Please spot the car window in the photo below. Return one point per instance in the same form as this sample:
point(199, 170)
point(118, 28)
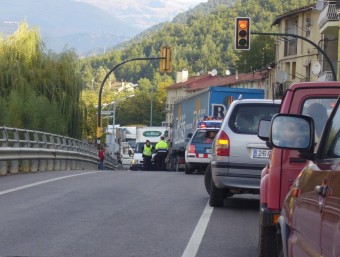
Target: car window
point(203, 136)
point(246, 117)
point(332, 142)
point(319, 109)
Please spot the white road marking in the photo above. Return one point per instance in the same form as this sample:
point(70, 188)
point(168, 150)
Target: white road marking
point(41, 182)
point(197, 235)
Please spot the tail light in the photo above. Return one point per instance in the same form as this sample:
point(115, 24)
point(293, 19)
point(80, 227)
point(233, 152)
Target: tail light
point(192, 149)
point(222, 144)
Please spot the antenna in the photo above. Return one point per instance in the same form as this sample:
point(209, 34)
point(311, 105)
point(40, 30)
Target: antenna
point(281, 76)
point(213, 72)
point(316, 68)
point(319, 5)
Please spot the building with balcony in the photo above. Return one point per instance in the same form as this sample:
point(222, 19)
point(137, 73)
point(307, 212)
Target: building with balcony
point(328, 23)
point(296, 59)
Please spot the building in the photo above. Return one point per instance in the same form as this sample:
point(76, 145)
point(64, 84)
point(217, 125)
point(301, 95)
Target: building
point(185, 86)
point(328, 23)
point(296, 59)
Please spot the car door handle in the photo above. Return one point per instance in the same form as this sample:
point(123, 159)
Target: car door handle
point(323, 191)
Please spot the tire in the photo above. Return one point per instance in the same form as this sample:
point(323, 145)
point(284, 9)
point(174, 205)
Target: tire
point(216, 196)
point(207, 179)
point(172, 163)
point(176, 165)
point(188, 170)
point(281, 253)
point(268, 242)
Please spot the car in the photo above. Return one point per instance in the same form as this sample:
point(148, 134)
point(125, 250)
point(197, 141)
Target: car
point(238, 155)
point(137, 162)
point(309, 224)
point(198, 151)
point(316, 99)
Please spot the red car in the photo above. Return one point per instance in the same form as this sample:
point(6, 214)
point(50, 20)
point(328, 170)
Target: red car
point(310, 219)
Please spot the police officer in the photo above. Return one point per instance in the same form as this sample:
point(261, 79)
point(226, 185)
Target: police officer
point(147, 155)
point(162, 152)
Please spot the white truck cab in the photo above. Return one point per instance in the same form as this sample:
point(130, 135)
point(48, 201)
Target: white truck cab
point(153, 134)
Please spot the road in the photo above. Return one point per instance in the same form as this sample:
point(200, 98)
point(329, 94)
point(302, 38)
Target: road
point(121, 213)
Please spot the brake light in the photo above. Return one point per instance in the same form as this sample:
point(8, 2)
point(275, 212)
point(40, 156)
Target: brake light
point(222, 144)
point(192, 149)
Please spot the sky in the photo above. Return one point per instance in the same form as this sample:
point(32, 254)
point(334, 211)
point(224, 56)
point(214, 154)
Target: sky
point(145, 13)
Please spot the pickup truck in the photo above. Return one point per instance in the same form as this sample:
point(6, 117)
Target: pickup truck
point(315, 99)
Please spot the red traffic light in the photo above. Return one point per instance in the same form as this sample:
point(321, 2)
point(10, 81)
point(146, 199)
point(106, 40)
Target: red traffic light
point(242, 32)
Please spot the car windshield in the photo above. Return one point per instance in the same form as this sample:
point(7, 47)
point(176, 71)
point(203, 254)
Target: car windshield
point(246, 117)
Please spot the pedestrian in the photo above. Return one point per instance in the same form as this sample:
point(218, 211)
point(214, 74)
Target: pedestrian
point(147, 155)
point(162, 151)
point(101, 158)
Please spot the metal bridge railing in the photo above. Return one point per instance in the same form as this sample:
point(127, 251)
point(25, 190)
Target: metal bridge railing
point(23, 150)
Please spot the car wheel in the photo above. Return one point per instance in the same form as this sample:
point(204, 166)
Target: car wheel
point(188, 170)
point(177, 165)
point(268, 242)
point(216, 196)
point(281, 253)
point(172, 164)
point(207, 179)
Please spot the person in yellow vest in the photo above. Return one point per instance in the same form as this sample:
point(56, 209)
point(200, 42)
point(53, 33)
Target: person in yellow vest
point(162, 151)
point(147, 155)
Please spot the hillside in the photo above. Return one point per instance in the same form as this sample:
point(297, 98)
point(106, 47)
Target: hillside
point(202, 41)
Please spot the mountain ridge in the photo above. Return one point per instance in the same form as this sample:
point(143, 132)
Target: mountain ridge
point(66, 20)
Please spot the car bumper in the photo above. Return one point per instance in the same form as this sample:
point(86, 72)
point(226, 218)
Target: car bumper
point(237, 176)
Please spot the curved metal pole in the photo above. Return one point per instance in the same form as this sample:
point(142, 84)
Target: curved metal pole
point(305, 39)
point(106, 77)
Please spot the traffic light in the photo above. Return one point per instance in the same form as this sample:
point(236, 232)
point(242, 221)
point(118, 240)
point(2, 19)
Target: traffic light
point(165, 62)
point(99, 132)
point(242, 32)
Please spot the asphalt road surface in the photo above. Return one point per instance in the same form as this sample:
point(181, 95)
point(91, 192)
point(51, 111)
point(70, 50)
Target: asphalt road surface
point(121, 213)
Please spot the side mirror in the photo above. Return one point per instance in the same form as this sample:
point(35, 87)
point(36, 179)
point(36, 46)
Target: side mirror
point(130, 152)
point(189, 135)
point(264, 130)
point(166, 133)
point(295, 132)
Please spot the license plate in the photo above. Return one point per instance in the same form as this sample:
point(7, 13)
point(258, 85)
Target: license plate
point(261, 153)
point(207, 150)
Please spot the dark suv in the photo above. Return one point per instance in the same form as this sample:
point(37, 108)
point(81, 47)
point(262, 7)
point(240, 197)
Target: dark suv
point(310, 219)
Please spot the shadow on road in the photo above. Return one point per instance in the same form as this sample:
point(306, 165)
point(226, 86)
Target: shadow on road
point(249, 202)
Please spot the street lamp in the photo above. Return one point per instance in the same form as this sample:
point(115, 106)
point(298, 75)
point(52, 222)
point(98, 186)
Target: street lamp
point(113, 113)
point(151, 105)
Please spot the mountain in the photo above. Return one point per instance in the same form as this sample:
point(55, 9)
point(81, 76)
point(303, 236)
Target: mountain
point(144, 13)
point(77, 25)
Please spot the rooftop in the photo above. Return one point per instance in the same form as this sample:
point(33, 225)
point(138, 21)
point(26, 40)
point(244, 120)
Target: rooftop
point(205, 81)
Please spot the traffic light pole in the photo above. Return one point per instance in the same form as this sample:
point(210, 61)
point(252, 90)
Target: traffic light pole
point(305, 39)
point(99, 121)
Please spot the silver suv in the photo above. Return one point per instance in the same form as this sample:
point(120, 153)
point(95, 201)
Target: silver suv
point(238, 155)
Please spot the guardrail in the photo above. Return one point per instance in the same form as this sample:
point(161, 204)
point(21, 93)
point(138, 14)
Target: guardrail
point(24, 150)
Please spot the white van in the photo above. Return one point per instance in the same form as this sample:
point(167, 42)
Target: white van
point(153, 134)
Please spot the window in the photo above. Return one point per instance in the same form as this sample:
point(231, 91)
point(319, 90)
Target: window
point(319, 109)
point(290, 47)
point(204, 136)
point(294, 70)
point(246, 117)
point(332, 142)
